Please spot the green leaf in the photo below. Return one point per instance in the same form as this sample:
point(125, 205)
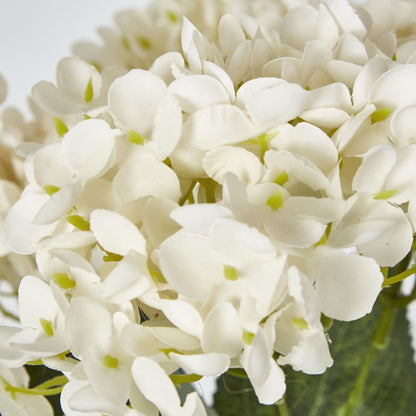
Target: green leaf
point(387, 390)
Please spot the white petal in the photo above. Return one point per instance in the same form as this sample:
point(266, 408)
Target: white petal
point(277, 104)
point(347, 284)
point(238, 65)
point(199, 217)
point(70, 240)
point(167, 127)
point(311, 355)
point(36, 301)
point(47, 166)
point(197, 91)
point(403, 126)
point(327, 118)
point(297, 167)
point(222, 332)
point(310, 142)
point(111, 383)
point(342, 71)
point(273, 387)
point(162, 66)
point(334, 95)
point(326, 28)
point(298, 26)
point(395, 88)
point(211, 364)
point(52, 100)
point(59, 204)
point(156, 386)
point(346, 132)
point(314, 58)
point(79, 397)
point(175, 338)
point(372, 173)
point(347, 17)
point(128, 280)
point(230, 34)
point(183, 315)
point(116, 233)
point(254, 86)
point(350, 49)
point(157, 223)
point(133, 100)
point(244, 164)
point(238, 244)
point(190, 265)
point(393, 245)
point(73, 75)
point(88, 327)
point(221, 75)
point(88, 146)
point(216, 126)
point(22, 236)
point(188, 35)
point(320, 209)
point(142, 174)
point(294, 232)
point(374, 68)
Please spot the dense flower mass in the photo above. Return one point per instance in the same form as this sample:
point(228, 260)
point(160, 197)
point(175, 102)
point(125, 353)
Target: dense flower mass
point(221, 178)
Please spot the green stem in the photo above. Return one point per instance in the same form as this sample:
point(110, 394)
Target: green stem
point(283, 409)
point(188, 193)
point(399, 277)
point(378, 342)
point(57, 381)
point(355, 395)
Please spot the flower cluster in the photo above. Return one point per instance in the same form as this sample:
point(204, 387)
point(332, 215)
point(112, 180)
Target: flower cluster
point(222, 179)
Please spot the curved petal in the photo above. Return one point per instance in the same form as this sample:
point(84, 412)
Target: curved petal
point(88, 327)
point(133, 100)
point(142, 174)
point(197, 91)
point(244, 164)
point(116, 233)
point(36, 301)
point(211, 364)
point(347, 284)
point(128, 280)
point(88, 146)
point(156, 386)
point(222, 332)
point(167, 127)
point(22, 236)
point(217, 125)
point(190, 265)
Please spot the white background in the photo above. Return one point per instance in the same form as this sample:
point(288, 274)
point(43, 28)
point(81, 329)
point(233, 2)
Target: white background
point(35, 34)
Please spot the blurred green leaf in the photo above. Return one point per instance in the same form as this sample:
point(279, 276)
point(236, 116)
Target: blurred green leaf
point(388, 388)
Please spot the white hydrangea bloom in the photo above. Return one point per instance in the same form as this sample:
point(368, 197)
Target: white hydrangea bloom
point(219, 175)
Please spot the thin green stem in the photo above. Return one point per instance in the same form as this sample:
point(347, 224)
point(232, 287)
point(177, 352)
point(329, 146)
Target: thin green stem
point(188, 193)
point(355, 395)
point(57, 381)
point(378, 342)
point(399, 277)
point(283, 409)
